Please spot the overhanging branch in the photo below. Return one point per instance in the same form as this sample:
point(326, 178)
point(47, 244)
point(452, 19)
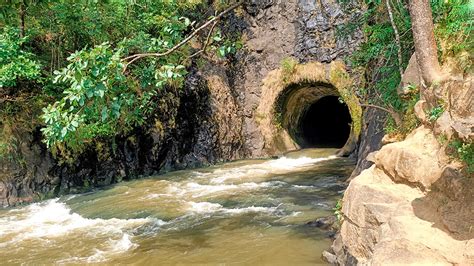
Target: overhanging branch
point(132, 58)
point(395, 115)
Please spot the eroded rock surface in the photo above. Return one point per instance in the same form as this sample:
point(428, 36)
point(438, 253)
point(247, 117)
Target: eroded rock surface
point(411, 207)
point(278, 30)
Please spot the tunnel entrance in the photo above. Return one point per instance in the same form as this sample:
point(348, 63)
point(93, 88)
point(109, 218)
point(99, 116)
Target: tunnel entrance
point(301, 109)
point(325, 124)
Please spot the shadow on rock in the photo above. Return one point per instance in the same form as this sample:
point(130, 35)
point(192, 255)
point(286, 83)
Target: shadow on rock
point(449, 205)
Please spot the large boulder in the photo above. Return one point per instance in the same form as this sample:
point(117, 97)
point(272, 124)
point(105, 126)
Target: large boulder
point(410, 208)
point(412, 159)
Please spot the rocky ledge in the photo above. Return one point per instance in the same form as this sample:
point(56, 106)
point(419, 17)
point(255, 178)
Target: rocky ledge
point(408, 209)
point(415, 204)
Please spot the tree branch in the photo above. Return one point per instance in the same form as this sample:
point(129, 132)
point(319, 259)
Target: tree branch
point(397, 37)
point(203, 50)
point(395, 115)
point(136, 57)
point(22, 14)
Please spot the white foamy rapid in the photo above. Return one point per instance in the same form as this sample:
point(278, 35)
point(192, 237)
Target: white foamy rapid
point(208, 207)
point(194, 190)
point(52, 221)
point(277, 166)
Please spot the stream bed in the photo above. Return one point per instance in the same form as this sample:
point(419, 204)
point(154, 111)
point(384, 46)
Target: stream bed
point(249, 212)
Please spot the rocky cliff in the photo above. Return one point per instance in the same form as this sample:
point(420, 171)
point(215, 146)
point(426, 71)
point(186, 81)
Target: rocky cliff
point(414, 205)
point(279, 30)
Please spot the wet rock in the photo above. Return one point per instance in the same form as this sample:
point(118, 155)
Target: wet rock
point(370, 139)
point(187, 132)
point(323, 222)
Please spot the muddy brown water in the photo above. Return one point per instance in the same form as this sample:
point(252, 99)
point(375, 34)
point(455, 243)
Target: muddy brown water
point(250, 212)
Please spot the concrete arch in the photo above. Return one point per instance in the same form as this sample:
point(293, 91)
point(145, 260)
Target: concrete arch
point(287, 96)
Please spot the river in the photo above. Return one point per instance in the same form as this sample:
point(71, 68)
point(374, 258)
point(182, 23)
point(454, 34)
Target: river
point(248, 212)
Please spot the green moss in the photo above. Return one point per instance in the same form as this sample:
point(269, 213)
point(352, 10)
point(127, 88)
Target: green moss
point(345, 86)
point(288, 68)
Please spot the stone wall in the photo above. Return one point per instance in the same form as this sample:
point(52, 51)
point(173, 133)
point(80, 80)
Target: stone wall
point(305, 30)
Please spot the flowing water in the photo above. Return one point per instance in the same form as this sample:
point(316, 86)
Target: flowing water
point(246, 212)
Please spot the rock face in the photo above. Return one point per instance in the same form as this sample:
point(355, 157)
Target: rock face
point(415, 205)
point(198, 127)
point(411, 207)
point(319, 35)
point(370, 139)
point(278, 30)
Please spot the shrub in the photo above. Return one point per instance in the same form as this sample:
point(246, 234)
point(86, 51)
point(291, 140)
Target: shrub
point(464, 152)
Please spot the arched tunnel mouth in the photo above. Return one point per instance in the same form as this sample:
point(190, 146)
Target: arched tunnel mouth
point(315, 116)
point(324, 124)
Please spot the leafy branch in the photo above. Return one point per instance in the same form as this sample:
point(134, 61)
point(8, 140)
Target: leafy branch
point(104, 97)
point(132, 58)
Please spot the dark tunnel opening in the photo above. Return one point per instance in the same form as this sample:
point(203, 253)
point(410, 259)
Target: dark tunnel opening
point(326, 124)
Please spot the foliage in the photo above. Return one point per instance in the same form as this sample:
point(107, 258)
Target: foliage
point(100, 100)
point(454, 26)
point(409, 121)
point(378, 54)
point(75, 58)
point(338, 211)
point(435, 113)
point(465, 152)
point(225, 46)
point(15, 63)
point(288, 67)
point(8, 145)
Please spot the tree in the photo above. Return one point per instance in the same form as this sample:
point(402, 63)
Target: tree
point(114, 87)
point(424, 40)
point(16, 64)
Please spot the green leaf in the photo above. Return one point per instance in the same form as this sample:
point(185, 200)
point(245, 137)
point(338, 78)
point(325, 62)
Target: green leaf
point(63, 132)
point(221, 51)
point(104, 114)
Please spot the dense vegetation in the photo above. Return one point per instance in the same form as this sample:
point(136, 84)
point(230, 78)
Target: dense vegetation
point(381, 58)
point(378, 58)
point(76, 61)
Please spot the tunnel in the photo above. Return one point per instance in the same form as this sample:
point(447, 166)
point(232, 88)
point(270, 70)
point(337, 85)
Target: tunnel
point(314, 116)
point(325, 124)
point(312, 106)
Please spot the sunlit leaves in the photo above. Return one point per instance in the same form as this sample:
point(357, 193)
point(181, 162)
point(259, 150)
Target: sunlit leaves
point(95, 82)
point(100, 100)
point(225, 47)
